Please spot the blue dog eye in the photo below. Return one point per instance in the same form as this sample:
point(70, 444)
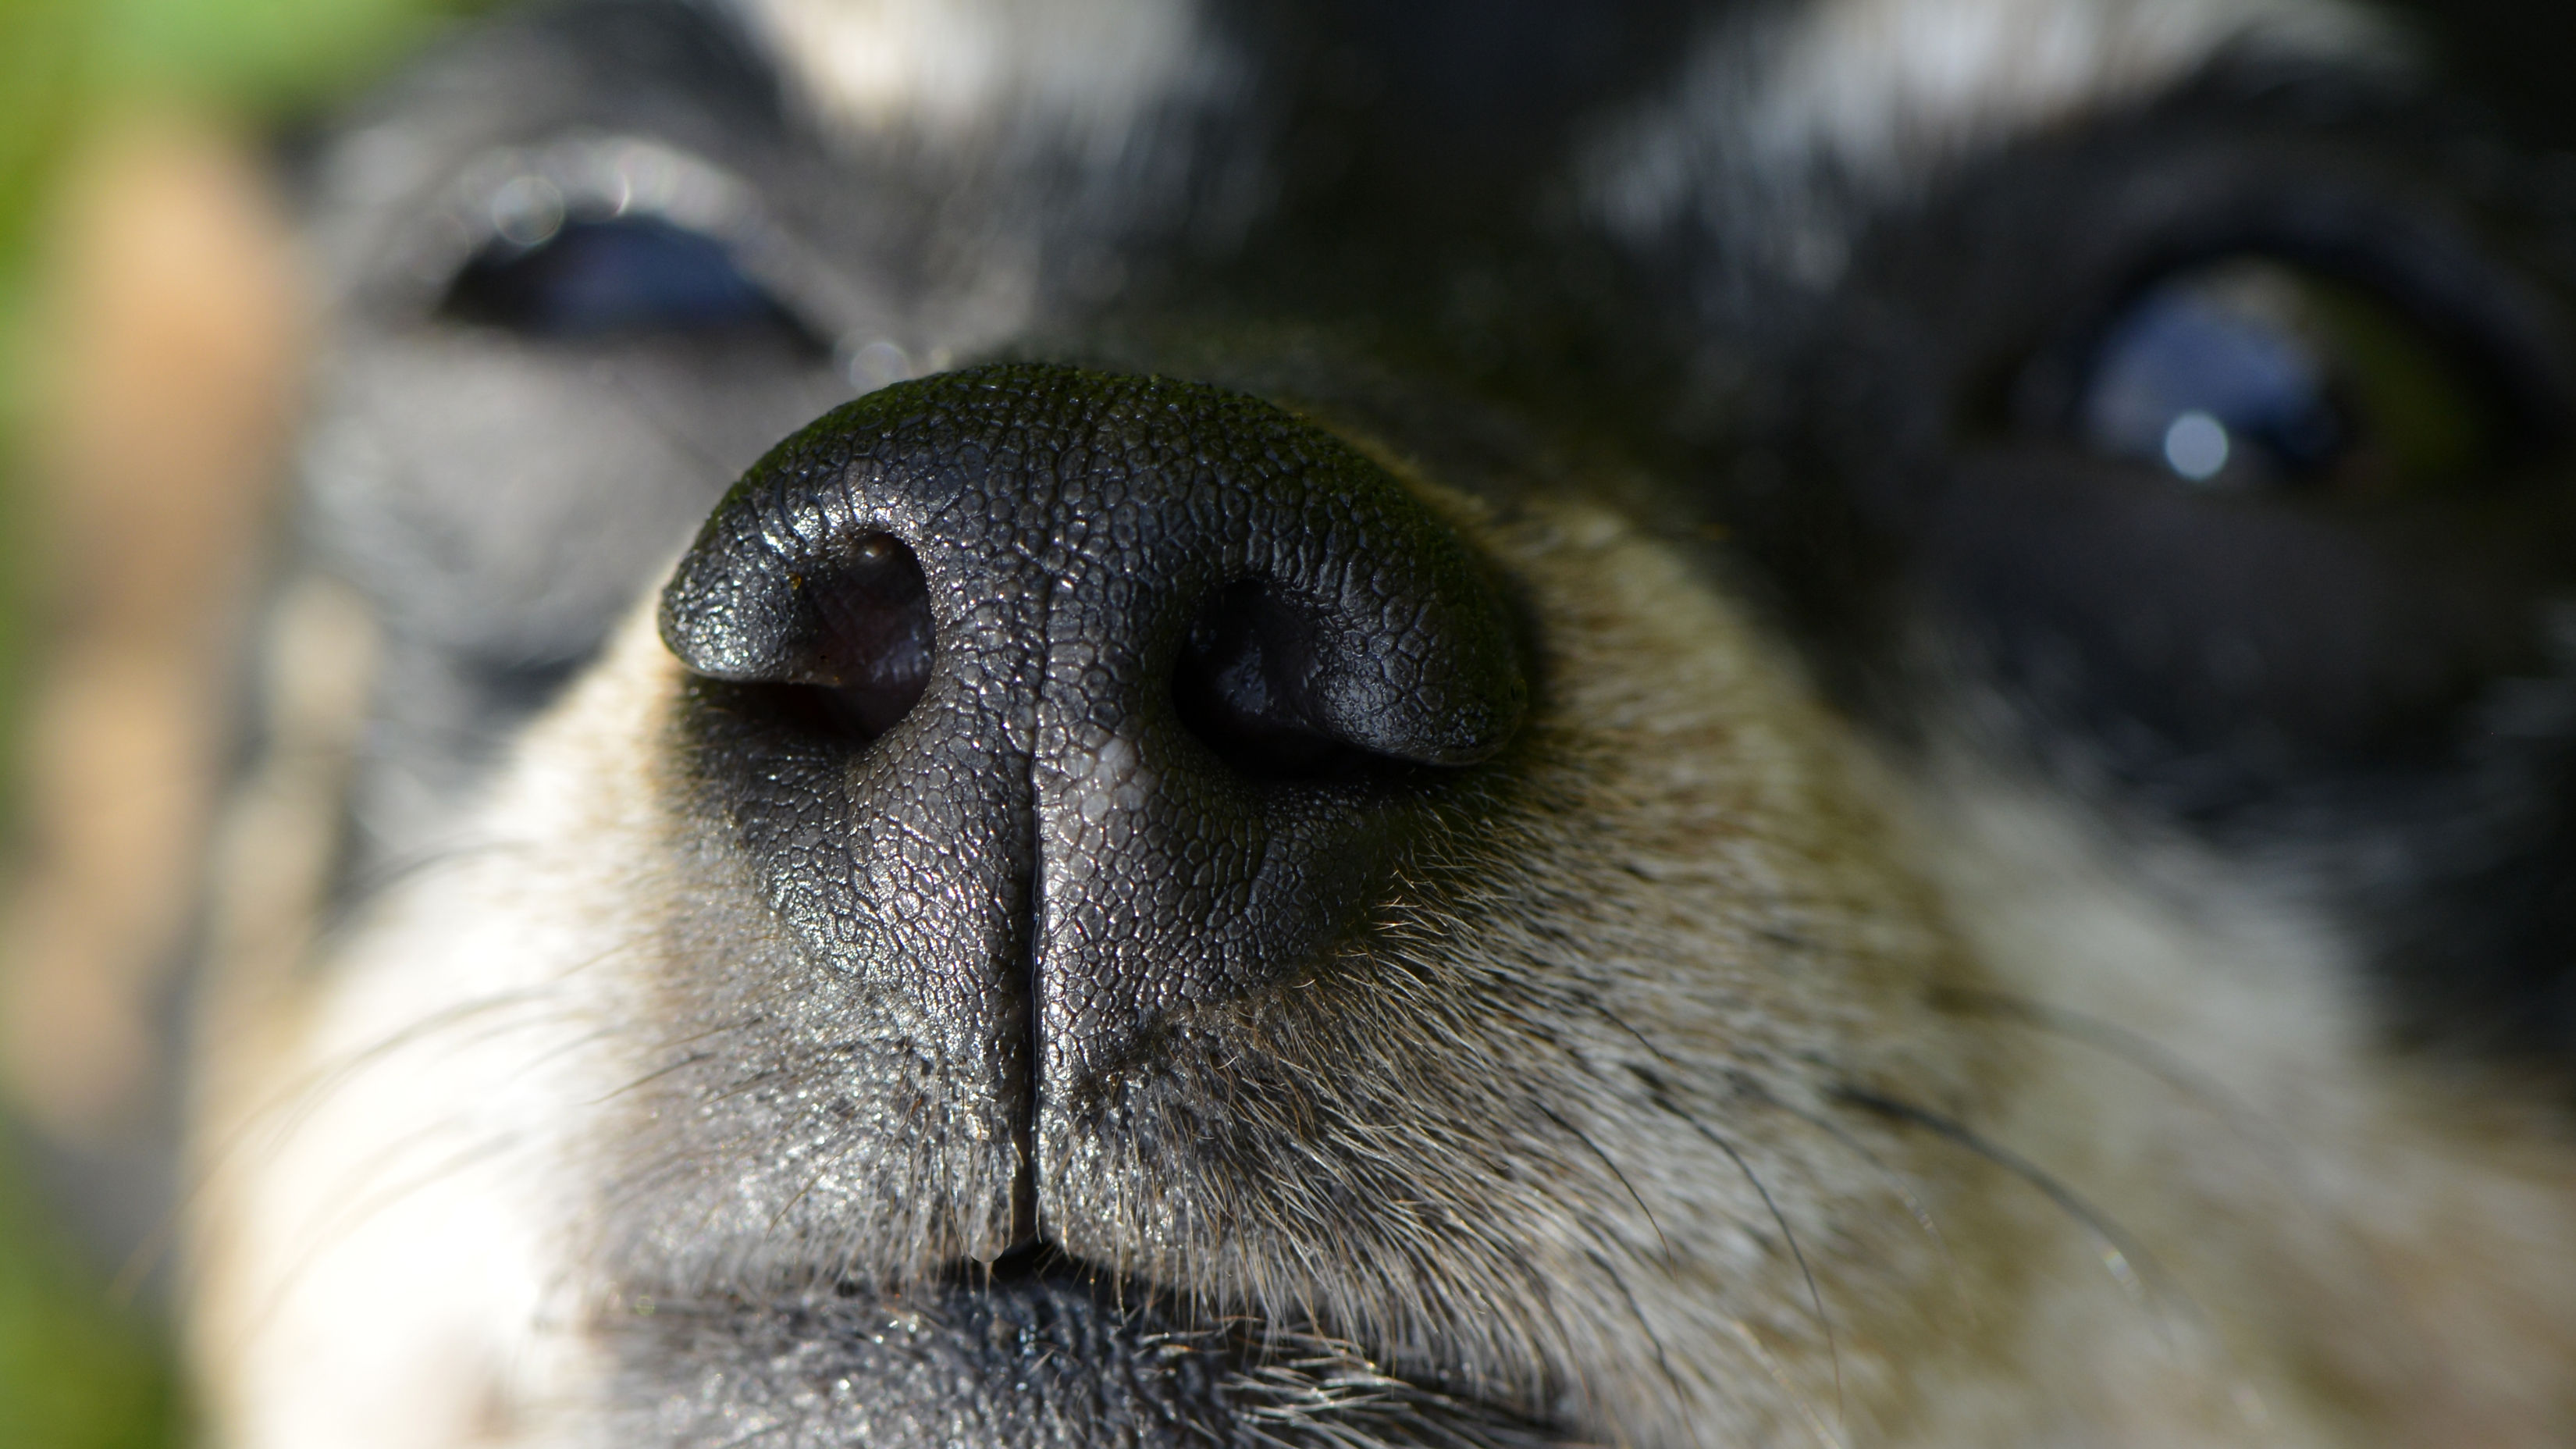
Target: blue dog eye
point(602, 278)
point(2256, 374)
point(2211, 376)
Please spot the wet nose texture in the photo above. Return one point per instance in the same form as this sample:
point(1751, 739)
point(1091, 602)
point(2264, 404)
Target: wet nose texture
point(1065, 703)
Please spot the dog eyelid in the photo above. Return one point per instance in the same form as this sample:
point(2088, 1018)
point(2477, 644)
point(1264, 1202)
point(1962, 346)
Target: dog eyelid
point(604, 236)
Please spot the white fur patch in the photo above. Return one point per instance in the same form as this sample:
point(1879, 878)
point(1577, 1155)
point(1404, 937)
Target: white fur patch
point(955, 70)
point(391, 1197)
point(388, 1279)
point(1877, 94)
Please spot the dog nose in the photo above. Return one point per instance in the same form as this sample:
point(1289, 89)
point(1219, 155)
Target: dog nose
point(1061, 705)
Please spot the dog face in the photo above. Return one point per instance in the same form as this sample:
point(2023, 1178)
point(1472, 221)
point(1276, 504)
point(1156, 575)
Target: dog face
point(1649, 725)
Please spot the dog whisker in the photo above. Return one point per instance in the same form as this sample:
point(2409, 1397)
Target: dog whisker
point(2121, 1252)
point(1893, 1180)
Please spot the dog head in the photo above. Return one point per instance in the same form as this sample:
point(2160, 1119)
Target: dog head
point(1658, 725)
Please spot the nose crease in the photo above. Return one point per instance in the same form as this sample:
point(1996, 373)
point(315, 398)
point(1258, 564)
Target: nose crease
point(1198, 673)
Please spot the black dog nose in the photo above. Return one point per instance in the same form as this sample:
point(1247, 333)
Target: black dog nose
point(1030, 688)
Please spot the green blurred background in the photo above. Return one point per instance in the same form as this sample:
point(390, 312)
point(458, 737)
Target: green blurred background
point(77, 1369)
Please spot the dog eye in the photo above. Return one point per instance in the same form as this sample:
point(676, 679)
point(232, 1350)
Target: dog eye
point(626, 275)
point(2258, 375)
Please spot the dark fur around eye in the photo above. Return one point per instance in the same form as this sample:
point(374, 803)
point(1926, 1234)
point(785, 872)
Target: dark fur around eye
point(2228, 453)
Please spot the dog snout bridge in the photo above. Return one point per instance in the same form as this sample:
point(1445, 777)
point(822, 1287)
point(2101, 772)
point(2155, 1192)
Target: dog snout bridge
point(1060, 705)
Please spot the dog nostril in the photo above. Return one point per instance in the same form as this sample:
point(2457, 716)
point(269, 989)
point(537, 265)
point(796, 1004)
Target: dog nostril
point(871, 655)
point(1240, 687)
point(848, 631)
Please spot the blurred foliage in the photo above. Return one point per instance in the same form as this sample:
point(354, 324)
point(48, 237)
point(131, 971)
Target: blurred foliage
point(78, 1370)
point(66, 65)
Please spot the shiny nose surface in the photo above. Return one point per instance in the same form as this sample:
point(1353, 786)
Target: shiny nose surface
point(1058, 703)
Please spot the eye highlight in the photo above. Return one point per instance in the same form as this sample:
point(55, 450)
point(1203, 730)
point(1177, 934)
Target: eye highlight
point(2254, 374)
